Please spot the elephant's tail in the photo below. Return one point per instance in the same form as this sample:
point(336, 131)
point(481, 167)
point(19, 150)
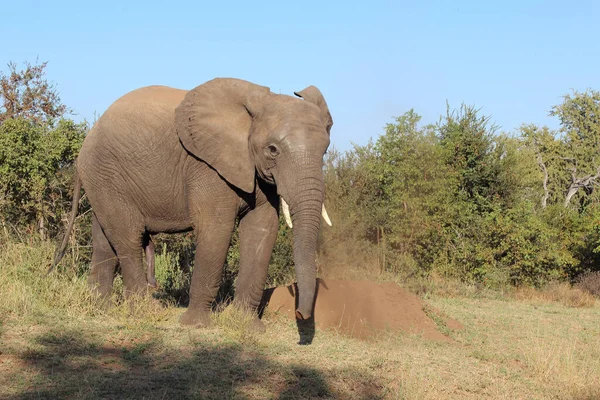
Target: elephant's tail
point(60, 252)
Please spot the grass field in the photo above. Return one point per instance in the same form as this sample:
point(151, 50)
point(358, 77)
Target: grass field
point(56, 343)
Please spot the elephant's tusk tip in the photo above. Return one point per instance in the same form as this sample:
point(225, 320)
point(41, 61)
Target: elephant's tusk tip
point(325, 216)
point(286, 213)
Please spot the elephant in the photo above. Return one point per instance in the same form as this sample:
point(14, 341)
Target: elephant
point(162, 159)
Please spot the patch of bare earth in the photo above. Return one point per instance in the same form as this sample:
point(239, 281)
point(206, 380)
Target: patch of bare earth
point(364, 309)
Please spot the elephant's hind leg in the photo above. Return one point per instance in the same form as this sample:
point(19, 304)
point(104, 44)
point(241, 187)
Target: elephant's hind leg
point(104, 262)
point(125, 233)
point(129, 253)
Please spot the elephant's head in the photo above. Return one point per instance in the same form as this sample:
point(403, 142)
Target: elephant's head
point(244, 131)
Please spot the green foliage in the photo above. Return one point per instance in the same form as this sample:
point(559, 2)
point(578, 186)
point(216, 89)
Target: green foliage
point(387, 189)
point(463, 201)
point(36, 167)
point(579, 116)
point(281, 266)
point(526, 246)
point(182, 246)
point(548, 150)
point(37, 150)
point(570, 156)
point(173, 280)
point(466, 139)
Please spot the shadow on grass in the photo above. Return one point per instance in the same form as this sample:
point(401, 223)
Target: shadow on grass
point(66, 364)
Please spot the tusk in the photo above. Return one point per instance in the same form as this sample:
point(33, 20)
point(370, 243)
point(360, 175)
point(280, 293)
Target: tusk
point(325, 216)
point(286, 212)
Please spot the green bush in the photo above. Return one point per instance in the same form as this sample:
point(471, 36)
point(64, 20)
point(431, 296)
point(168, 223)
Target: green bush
point(173, 281)
point(36, 169)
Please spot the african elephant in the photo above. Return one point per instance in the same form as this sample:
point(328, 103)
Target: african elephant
point(168, 160)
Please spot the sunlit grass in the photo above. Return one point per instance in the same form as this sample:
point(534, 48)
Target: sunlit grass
point(57, 341)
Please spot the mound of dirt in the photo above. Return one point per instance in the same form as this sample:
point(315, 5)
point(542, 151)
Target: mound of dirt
point(362, 308)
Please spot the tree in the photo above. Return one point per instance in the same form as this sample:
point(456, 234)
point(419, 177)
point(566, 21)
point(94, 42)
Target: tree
point(27, 94)
point(460, 200)
point(38, 147)
point(579, 116)
point(548, 151)
point(466, 137)
point(411, 171)
point(387, 192)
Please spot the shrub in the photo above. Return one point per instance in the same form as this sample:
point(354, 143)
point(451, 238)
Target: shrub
point(590, 283)
point(173, 281)
point(556, 292)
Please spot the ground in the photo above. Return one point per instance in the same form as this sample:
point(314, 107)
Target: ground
point(366, 310)
point(371, 341)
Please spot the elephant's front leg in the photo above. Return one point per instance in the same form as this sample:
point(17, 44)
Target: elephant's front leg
point(212, 243)
point(258, 233)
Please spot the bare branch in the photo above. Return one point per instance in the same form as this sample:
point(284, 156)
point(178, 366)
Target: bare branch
point(578, 183)
point(545, 183)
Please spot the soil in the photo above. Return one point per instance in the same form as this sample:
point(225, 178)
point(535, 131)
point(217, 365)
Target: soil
point(363, 309)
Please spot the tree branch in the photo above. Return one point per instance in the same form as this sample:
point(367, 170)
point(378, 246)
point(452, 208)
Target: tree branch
point(545, 183)
point(578, 183)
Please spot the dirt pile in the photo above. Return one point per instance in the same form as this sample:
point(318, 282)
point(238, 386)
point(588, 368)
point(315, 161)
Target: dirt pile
point(362, 308)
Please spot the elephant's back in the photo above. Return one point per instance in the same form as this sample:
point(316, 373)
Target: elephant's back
point(133, 149)
point(156, 96)
point(150, 103)
point(149, 109)
point(141, 112)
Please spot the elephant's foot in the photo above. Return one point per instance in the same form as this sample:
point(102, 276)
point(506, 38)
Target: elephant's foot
point(104, 303)
point(257, 326)
point(102, 296)
point(153, 285)
point(198, 319)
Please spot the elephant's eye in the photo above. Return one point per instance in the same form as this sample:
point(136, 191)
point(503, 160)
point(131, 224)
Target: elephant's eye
point(272, 151)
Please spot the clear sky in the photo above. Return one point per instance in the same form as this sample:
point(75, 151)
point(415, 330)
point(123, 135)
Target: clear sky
point(372, 60)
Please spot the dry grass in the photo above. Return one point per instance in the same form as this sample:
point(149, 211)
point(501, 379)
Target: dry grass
point(56, 342)
point(236, 323)
point(590, 282)
point(562, 293)
point(547, 348)
point(26, 289)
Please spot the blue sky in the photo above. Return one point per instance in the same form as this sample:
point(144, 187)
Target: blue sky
point(372, 60)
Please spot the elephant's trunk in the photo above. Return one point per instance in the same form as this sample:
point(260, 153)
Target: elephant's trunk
point(306, 229)
point(306, 202)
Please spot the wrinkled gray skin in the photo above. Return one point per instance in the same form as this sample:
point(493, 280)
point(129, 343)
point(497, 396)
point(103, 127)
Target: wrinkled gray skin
point(166, 160)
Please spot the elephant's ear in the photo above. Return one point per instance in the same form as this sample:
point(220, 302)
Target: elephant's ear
point(314, 95)
point(213, 123)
